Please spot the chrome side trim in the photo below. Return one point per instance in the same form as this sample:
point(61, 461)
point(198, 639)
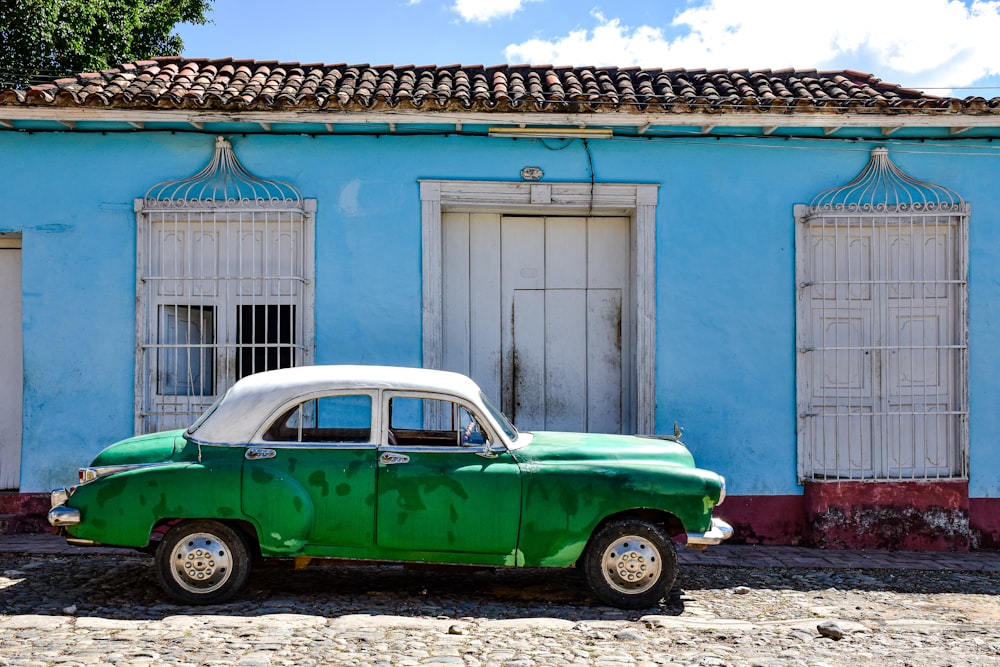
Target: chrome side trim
point(276, 444)
point(90, 473)
point(73, 541)
point(63, 516)
point(719, 531)
point(441, 449)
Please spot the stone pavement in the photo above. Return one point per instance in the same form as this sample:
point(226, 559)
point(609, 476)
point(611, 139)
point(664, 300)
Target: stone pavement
point(732, 606)
point(732, 555)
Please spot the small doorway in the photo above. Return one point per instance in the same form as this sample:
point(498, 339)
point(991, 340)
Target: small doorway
point(11, 362)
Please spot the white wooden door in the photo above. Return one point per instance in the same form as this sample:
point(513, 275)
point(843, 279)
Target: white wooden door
point(11, 364)
point(880, 350)
point(536, 309)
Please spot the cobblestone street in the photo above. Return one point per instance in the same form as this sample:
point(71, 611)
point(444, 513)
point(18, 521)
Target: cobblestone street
point(741, 606)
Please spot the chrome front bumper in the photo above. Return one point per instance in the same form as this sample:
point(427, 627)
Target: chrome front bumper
point(717, 532)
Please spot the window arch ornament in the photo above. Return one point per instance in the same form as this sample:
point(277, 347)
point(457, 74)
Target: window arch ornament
point(224, 286)
point(882, 186)
point(224, 182)
point(882, 329)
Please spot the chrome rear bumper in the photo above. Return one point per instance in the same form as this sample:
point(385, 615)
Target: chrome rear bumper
point(717, 532)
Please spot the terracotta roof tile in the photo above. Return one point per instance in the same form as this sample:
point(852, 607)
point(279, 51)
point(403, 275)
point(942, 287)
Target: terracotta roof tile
point(228, 84)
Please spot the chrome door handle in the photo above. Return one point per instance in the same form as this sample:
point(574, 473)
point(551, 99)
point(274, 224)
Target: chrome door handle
point(391, 458)
point(257, 453)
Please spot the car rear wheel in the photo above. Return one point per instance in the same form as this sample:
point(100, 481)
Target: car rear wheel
point(202, 562)
point(630, 563)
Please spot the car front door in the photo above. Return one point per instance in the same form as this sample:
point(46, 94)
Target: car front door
point(311, 481)
point(441, 487)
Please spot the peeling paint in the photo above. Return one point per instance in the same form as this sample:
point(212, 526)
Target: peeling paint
point(889, 515)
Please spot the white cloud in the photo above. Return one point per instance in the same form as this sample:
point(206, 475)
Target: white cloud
point(922, 43)
point(480, 11)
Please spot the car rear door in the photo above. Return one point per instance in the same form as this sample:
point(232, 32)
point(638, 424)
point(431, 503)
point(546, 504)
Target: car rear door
point(311, 481)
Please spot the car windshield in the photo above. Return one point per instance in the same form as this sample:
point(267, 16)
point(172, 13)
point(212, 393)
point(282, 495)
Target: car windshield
point(205, 415)
point(500, 419)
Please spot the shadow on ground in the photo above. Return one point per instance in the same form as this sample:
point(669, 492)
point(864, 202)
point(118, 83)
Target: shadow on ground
point(125, 587)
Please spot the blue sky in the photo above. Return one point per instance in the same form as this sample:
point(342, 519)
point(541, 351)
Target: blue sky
point(940, 46)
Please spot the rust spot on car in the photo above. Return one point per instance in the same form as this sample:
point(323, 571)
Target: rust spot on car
point(318, 479)
point(112, 489)
point(262, 477)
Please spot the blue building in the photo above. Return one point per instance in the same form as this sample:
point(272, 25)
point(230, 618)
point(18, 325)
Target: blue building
point(800, 268)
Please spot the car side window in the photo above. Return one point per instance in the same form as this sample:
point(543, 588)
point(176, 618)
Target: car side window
point(417, 422)
point(330, 419)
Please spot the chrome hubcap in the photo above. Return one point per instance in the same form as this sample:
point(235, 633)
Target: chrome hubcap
point(201, 563)
point(631, 564)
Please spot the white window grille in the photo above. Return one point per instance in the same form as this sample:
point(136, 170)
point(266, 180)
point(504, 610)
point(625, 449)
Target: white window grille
point(224, 287)
point(881, 273)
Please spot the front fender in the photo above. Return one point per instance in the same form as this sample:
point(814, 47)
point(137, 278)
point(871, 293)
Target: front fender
point(563, 504)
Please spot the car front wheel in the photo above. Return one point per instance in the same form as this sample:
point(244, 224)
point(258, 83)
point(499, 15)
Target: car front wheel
point(202, 562)
point(630, 563)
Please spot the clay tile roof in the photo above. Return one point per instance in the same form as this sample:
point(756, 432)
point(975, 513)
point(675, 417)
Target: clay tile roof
point(227, 84)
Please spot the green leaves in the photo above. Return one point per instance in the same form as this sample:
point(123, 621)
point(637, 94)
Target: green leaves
point(44, 39)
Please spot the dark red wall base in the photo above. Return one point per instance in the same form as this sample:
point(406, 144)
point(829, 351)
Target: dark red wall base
point(984, 520)
point(765, 519)
point(910, 516)
point(23, 513)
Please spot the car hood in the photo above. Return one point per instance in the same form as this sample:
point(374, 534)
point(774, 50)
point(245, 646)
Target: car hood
point(152, 448)
point(563, 448)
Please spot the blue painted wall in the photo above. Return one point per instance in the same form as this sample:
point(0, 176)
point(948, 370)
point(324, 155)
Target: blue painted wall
point(725, 271)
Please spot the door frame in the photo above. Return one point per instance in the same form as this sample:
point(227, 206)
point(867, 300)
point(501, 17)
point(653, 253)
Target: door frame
point(637, 201)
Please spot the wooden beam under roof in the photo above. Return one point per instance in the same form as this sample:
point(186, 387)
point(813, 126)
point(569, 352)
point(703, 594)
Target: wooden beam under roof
point(889, 130)
point(830, 123)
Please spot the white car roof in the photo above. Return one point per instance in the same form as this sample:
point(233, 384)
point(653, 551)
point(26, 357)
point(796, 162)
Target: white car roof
point(238, 417)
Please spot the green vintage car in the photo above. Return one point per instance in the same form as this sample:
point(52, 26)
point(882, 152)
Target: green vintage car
point(390, 464)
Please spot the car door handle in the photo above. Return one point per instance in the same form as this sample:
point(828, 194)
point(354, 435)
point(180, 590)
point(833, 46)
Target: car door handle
point(391, 459)
point(257, 453)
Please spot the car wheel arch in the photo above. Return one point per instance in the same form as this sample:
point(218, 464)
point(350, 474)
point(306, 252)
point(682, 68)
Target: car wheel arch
point(245, 529)
point(669, 522)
